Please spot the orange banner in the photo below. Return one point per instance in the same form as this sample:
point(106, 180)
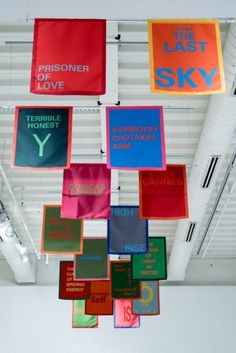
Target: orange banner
point(100, 301)
point(185, 57)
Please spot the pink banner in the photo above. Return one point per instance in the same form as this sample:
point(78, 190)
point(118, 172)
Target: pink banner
point(123, 317)
point(86, 192)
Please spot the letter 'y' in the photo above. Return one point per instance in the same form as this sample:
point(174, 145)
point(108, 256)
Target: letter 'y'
point(41, 143)
point(208, 78)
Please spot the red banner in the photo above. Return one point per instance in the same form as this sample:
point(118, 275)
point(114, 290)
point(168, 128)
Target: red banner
point(68, 287)
point(86, 192)
point(163, 195)
point(185, 57)
point(69, 56)
point(100, 301)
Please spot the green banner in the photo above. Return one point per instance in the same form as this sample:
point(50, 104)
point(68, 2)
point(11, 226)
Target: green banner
point(80, 319)
point(93, 264)
point(122, 284)
point(61, 235)
point(152, 265)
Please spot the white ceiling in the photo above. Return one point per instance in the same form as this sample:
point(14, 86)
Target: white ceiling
point(128, 83)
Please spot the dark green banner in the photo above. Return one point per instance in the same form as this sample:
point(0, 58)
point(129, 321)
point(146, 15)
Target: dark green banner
point(122, 284)
point(42, 137)
point(93, 263)
point(151, 266)
point(61, 235)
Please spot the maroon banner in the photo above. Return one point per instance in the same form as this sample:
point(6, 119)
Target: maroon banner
point(69, 56)
point(163, 195)
point(86, 192)
point(68, 287)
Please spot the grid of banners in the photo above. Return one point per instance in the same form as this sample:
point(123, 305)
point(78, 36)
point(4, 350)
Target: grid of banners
point(42, 137)
point(153, 265)
point(60, 235)
point(135, 138)
point(93, 264)
point(123, 316)
point(68, 287)
point(100, 301)
point(163, 195)
point(126, 232)
point(185, 57)
point(69, 56)
point(123, 286)
point(80, 319)
point(149, 303)
point(86, 191)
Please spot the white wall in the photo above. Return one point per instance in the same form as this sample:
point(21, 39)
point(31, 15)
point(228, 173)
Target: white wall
point(193, 320)
point(113, 9)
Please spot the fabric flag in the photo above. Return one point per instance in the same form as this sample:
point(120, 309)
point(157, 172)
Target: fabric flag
point(126, 233)
point(94, 263)
point(60, 235)
point(100, 301)
point(68, 288)
point(42, 138)
point(163, 195)
point(149, 304)
point(86, 191)
point(122, 284)
point(80, 319)
point(151, 266)
point(185, 57)
point(69, 56)
point(123, 317)
point(135, 138)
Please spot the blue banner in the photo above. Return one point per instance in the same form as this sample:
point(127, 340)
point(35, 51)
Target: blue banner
point(149, 304)
point(126, 232)
point(135, 138)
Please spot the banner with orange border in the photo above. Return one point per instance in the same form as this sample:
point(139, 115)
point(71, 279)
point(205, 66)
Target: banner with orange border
point(60, 235)
point(185, 57)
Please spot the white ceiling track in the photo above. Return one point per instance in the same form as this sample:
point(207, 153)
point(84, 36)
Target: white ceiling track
point(217, 133)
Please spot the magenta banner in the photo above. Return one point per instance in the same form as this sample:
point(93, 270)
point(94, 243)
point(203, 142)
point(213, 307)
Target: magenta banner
point(86, 192)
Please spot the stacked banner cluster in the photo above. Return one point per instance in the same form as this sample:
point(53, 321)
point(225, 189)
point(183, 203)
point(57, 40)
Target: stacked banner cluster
point(69, 58)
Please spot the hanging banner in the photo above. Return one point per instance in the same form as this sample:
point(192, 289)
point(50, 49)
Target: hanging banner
point(151, 266)
point(135, 138)
point(100, 301)
point(60, 235)
point(68, 288)
point(123, 317)
point(86, 191)
point(42, 138)
point(69, 56)
point(163, 195)
point(126, 232)
point(80, 319)
point(122, 284)
point(149, 304)
point(94, 263)
point(185, 57)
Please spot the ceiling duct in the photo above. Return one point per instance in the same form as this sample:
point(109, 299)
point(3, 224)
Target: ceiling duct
point(13, 251)
point(217, 133)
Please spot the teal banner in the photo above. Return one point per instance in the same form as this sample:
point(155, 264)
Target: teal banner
point(42, 137)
